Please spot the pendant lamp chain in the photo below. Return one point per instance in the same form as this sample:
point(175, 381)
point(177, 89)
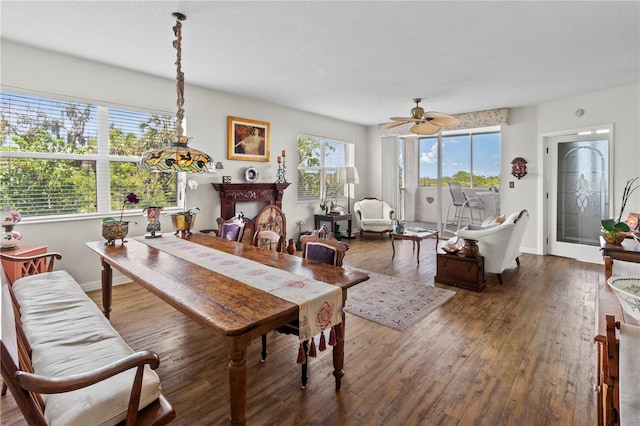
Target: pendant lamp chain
point(177, 157)
point(177, 44)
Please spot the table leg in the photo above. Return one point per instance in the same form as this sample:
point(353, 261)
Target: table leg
point(237, 347)
point(393, 246)
point(349, 228)
point(608, 267)
point(107, 285)
point(418, 255)
point(338, 349)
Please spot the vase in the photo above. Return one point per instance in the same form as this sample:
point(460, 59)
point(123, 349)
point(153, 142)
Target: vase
point(291, 248)
point(112, 231)
point(617, 239)
point(8, 219)
point(153, 222)
point(470, 248)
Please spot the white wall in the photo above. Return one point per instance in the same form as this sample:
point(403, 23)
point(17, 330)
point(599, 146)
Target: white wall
point(206, 111)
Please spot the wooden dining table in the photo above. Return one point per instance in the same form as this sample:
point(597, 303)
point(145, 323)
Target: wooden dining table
point(234, 311)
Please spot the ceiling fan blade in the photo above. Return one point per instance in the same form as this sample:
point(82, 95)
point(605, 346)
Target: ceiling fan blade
point(391, 126)
point(440, 119)
point(427, 128)
point(404, 119)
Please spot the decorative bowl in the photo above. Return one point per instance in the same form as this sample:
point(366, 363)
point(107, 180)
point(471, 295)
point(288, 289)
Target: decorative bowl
point(451, 248)
point(628, 291)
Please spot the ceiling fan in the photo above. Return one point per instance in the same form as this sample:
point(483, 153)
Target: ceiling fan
point(426, 123)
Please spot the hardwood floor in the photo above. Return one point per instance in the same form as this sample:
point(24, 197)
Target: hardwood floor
point(521, 353)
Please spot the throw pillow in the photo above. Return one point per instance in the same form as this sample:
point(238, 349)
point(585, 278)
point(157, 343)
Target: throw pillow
point(488, 221)
point(499, 219)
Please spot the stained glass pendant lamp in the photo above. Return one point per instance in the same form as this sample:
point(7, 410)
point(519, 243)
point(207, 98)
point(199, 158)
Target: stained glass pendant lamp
point(177, 157)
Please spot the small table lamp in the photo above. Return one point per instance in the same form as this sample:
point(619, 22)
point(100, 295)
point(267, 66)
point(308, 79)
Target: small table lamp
point(219, 168)
point(348, 175)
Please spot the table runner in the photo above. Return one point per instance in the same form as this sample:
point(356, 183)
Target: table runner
point(320, 304)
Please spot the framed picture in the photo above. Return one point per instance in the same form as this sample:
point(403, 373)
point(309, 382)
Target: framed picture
point(249, 140)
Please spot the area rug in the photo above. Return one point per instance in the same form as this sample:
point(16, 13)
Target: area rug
point(394, 302)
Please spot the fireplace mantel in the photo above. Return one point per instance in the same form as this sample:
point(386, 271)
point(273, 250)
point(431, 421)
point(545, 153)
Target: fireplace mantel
point(232, 193)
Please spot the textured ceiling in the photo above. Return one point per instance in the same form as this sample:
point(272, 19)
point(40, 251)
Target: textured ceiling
point(360, 61)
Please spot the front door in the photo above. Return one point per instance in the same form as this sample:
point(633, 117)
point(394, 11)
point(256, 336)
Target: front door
point(578, 192)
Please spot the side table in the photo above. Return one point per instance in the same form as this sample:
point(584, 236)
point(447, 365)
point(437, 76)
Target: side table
point(461, 271)
point(415, 237)
point(333, 218)
point(12, 268)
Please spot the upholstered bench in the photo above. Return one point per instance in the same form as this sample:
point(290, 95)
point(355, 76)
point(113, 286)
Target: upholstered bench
point(78, 369)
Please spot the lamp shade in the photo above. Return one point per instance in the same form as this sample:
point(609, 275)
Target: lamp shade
point(348, 175)
point(219, 166)
point(177, 157)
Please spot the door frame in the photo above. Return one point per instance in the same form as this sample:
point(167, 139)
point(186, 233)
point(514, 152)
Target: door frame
point(547, 180)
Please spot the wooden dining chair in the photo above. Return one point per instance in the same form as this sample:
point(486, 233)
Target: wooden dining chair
point(269, 240)
point(231, 229)
point(321, 246)
point(269, 225)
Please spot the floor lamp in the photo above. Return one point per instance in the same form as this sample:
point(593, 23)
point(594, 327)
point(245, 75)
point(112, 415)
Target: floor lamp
point(349, 175)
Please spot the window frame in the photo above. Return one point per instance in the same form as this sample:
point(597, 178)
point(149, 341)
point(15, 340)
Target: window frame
point(101, 158)
point(323, 169)
point(453, 133)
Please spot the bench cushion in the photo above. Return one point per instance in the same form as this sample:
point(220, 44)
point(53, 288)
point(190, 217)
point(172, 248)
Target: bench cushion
point(69, 335)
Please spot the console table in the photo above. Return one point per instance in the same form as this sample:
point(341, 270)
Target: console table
point(628, 251)
point(333, 218)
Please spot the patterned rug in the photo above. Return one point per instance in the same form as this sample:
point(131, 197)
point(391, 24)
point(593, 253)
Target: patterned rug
point(394, 302)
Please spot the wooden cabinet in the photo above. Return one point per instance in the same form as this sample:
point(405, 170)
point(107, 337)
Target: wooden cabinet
point(460, 271)
point(12, 268)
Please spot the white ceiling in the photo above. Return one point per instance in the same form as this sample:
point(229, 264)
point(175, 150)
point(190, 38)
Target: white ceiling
point(360, 61)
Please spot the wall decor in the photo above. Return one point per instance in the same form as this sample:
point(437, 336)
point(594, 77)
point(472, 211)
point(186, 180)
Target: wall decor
point(249, 140)
point(519, 167)
point(251, 174)
point(226, 179)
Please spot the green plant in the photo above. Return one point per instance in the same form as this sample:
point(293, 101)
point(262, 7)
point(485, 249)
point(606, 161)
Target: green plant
point(192, 210)
point(131, 198)
point(611, 226)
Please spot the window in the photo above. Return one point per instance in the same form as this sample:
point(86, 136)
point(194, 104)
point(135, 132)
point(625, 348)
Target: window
point(319, 160)
point(472, 159)
point(61, 157)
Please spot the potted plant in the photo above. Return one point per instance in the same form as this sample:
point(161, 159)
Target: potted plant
point(113, 229)
point(614, 231)
point(183, 221)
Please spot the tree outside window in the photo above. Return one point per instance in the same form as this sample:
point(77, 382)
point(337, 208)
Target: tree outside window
point(471, 159)
point(319, 160)
point(59, 157)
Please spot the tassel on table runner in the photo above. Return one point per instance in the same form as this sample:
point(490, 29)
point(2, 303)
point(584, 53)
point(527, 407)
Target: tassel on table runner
point(332, 337)
point(312, 349)
point(323, 342)
point(301, 357)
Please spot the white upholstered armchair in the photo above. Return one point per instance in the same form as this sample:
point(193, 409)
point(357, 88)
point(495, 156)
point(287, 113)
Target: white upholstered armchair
point(374, 216)
point(499, 244)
